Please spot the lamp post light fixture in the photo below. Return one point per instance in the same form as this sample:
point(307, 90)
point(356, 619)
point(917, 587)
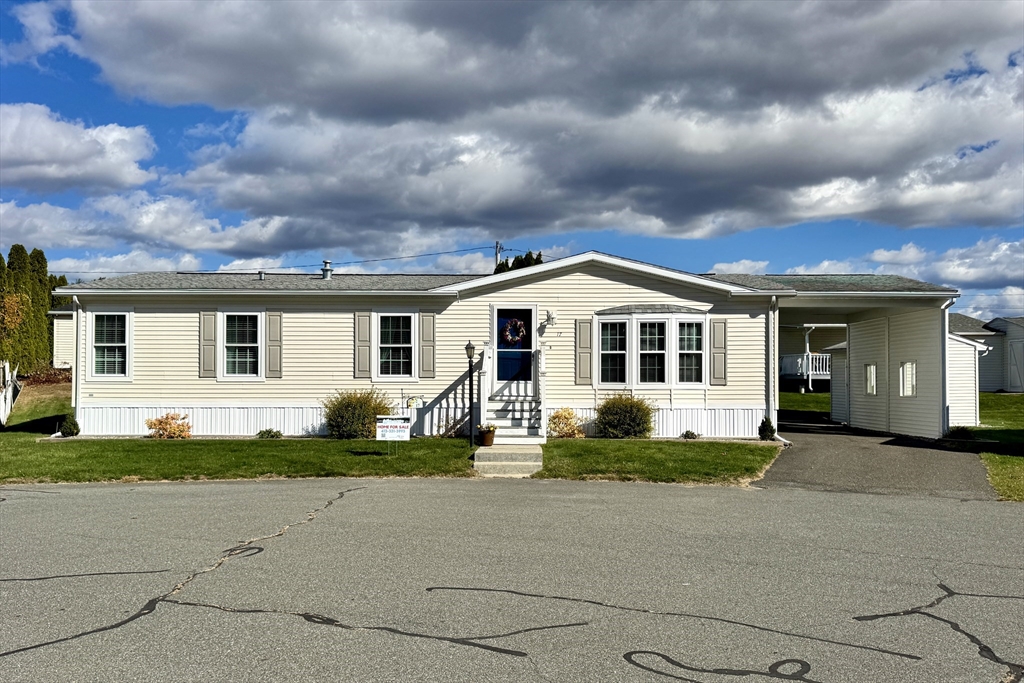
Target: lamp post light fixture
point(470, 353)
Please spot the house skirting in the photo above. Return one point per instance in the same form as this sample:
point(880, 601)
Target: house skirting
point(448, 418)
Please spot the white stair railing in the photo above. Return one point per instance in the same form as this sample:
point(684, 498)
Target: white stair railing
point(484, 382)
point(540, 388)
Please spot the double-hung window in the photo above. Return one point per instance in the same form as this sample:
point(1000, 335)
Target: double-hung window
point(908, 378)
point(613, 352)
point(241, 345)
point(394, 345)
point(870, 379)
point(652, 353)
point(691, 353)
point(110, 344)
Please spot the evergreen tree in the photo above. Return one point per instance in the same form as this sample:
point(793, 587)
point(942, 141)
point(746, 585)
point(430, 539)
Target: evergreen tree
point(502, 267)
point(24, 300)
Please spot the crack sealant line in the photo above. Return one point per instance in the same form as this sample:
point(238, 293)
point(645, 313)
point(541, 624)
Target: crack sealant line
point(641, 610)
point(151, 605)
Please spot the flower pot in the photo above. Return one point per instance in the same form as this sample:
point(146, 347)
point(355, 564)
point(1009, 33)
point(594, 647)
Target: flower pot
point(487, 438)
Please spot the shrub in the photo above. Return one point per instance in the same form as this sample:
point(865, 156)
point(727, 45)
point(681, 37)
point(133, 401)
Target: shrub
point(959, 432)
point(70, 426)
point(766, 432)
point(689, 435)
point(624, 417)
point(170, 426)
point(564, 423)
point(353, 414)
point(268, 434)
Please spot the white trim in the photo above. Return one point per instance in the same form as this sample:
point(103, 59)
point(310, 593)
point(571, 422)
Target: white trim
point(90, 350)
point(261, 344)
point(956, 336)
point(603, 259)
point(672, 351)
point(493, 341)
point(257, 292)
point(375, 375)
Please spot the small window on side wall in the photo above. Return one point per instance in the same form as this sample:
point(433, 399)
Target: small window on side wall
point(908, 378)
point(870, 379)
point(241, 345)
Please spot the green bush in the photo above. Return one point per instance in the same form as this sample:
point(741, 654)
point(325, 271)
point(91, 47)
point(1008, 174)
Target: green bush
point(269, 434)
point(690, 435)
point(959, 432)
point(766, 432)
point(353, 414)
point(70, 426)
point(624, 417)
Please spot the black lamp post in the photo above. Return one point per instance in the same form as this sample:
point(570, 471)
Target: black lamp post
point(470, 352)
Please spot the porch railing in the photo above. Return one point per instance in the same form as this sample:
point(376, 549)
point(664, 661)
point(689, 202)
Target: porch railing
point(803, 364)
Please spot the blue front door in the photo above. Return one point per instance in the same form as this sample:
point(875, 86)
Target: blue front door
point(515, 332)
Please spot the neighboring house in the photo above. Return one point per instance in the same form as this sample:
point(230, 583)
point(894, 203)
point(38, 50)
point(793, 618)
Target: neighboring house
point(243, 352)
point(1002, 368)
point(63, 336)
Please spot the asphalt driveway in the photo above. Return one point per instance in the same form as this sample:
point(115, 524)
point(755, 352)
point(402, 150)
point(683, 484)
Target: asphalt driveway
point(829, 457)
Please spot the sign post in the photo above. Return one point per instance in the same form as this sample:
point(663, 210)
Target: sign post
point(393, 428)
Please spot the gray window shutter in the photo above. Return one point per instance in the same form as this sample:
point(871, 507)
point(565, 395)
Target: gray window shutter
point(274, 345)
point(207, 344)
point(427, 345)
point(363, 342)
point(718, 353)
point(584, 351)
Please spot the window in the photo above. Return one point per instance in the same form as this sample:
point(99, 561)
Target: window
point(613, 353)
point(870, 376)
point(652, 353)
point(691, 355)
point(241, 345)
point(110, 345)
point(908, 378)
point(395, 345)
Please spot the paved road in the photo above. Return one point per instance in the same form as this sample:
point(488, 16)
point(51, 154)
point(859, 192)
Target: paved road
point(828, 457)
point(505, 580)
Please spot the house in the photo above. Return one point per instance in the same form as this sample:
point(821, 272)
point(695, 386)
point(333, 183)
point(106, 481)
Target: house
point(242, 352)
point(1002, 368)
point(63, 336)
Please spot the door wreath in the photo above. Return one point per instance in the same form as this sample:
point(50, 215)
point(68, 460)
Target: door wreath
point(513, 331)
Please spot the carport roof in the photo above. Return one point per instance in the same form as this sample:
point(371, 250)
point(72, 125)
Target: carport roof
point(831, 283)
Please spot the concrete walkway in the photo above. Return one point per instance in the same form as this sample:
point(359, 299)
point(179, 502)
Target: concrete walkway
point(828, 457)
point(507, 460)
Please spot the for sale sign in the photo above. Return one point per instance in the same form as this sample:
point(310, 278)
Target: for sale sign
point(393, 428)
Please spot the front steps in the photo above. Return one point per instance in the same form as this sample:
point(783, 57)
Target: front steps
point(508, 461)
point(518, 421)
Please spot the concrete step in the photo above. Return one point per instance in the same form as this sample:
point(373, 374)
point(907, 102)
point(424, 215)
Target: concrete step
point(509, 453)
point(509, 423)
point(507, 469)
point(532, 437)
point(512, 414)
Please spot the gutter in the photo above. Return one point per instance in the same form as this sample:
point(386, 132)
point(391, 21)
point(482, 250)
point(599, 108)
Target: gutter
point(254, 292)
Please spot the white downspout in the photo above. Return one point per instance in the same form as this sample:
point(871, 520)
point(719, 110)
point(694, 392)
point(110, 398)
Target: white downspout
point(78, 366)
point(944, 349)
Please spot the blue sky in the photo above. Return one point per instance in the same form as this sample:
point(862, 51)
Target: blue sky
point(861, 138)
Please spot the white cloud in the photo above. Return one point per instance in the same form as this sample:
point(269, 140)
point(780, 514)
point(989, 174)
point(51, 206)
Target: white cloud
point(990, 263)
point(44, 153)
point(137, 261)
point(465, 263)
point(46, 226)
point(741, 266)
point(254, 264)
point(41, 31)
point(1007, 302)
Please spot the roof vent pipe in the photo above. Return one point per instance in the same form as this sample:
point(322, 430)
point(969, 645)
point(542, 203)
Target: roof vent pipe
point(327, 270)
point(263, 275)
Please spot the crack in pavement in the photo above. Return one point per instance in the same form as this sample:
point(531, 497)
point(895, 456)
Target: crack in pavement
point(774, 670)
point(641, 610)
point(245, 548)
point(1016, 669)
point(75, 576)
point(322, 620)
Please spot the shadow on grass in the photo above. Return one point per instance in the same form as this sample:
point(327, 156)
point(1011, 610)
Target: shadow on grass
point(41, 425)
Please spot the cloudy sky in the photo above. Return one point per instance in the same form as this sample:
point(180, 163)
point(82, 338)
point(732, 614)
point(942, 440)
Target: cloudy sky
point(743, 137)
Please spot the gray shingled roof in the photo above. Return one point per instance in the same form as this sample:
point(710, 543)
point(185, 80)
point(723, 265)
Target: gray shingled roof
point(831, 283)
point(965, 324)
point(648, 308)
point(275, 282)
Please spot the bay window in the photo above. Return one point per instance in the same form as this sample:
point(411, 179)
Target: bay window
point(613, 352)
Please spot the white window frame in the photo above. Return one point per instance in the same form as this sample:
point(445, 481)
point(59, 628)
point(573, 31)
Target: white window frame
point(871, 379)
point(633, 321)
point(627, 353)
point(222, 346)
point(375, 375)
point(904, 366)
point(90, 331)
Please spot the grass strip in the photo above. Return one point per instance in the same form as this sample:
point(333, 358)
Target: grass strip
point(691, 462)
point(1006, 472)
point(813, 402)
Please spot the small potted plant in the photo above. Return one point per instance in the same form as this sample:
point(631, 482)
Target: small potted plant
point(486, 432)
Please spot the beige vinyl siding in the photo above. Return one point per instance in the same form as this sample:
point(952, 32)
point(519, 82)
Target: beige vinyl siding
point(868, 345)
point(914, 337)
point(63, 341)
point(318, 339)
point(840, 406)
point(962, 383)
point(791, 340)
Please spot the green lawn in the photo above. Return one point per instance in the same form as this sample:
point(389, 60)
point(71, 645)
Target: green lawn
point(39, 409)
point(1003, 417)
point(813, 402)
point(698, 462)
